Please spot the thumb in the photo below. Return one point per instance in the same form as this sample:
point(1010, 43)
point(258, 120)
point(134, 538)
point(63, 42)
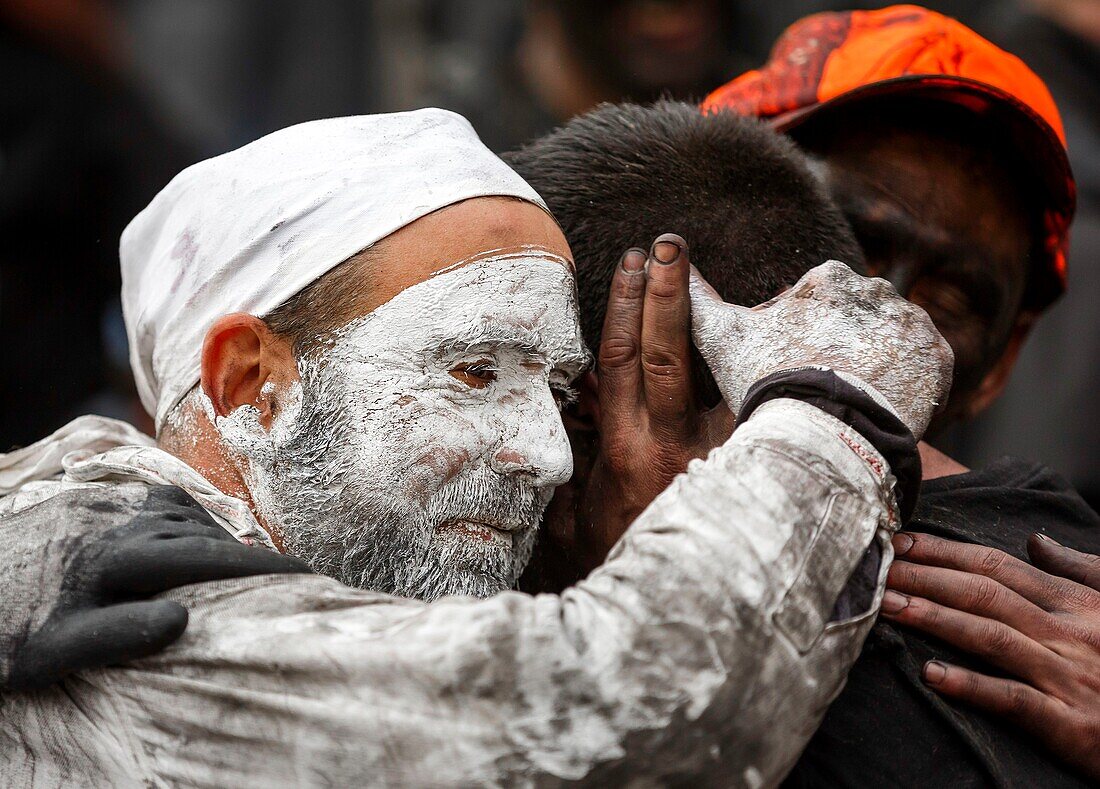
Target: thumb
point(1056, 559)
point(713, 321)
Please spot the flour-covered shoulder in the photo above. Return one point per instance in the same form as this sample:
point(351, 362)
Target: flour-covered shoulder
point(80, 566)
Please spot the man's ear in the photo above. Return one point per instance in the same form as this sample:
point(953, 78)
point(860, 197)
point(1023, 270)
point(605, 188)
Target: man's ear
point(239, 356)
point(996, 379)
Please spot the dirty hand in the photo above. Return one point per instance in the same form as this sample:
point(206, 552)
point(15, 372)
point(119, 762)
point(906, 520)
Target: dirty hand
point(649, 424)
point(77, 592)
point(831, 318)
point(1040, 625)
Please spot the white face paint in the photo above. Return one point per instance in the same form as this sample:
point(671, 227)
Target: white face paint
point(425, 440)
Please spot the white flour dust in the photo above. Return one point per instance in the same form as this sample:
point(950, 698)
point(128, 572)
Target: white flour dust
point(424, 441)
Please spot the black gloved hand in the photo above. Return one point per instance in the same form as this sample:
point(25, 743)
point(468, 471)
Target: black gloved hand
point(85, 561)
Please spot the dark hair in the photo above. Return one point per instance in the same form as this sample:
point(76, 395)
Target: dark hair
point(325, 304)
point(743, 197)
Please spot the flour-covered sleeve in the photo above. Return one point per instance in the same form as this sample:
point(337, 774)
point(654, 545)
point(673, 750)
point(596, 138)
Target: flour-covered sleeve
point(701, 648)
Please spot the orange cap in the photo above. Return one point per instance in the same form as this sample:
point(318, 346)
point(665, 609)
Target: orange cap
point(832, 58)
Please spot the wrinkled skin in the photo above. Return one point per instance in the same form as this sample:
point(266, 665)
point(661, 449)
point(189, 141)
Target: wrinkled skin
point(420, 449)
point(844, 321)
point(1040, 624)
point(650, 427)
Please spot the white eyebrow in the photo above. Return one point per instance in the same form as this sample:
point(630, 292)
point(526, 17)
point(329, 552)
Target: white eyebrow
point(573, 358)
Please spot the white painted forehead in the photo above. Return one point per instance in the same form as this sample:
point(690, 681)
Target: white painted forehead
point(522, 297)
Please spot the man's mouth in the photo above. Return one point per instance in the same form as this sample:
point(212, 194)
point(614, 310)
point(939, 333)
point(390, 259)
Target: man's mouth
point(493, 534)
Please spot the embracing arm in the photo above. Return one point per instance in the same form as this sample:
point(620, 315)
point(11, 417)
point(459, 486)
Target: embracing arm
point(701, 647)
point(79, 569)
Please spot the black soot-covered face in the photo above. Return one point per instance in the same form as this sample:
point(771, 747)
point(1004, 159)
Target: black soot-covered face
point(946, 224)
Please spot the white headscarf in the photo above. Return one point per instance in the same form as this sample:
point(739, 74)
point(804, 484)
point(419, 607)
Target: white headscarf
point(245, 231)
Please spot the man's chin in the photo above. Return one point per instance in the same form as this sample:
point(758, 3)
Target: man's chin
point(471, 559)
point(461, 585)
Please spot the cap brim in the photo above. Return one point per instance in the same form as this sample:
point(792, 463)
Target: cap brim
point(1041, 150)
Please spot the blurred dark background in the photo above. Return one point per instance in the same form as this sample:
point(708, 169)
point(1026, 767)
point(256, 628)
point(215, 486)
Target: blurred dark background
point(102, 101)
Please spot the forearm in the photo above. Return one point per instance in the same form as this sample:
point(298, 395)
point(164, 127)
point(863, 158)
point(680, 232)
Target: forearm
point(732, 574)
point(700, 646)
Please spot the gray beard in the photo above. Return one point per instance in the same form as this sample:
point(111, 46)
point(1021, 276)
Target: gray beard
point(334, 514)
point(373, 540)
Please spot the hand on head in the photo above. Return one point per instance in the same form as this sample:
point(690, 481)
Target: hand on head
point(832, 318)
point(1040, 624)
point(650, 424)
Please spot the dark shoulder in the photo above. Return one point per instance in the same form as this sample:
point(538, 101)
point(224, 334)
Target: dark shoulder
point(886, 709)
point(89, 509)
point(1003, 503)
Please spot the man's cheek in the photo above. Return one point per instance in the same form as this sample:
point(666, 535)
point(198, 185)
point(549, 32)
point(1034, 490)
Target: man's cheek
point(441, 463)
point(440, 442)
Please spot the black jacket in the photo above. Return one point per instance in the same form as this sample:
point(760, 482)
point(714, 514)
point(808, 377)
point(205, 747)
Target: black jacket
point(887, 728)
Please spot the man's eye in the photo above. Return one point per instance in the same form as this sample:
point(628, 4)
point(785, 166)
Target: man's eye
point(942, 300)
point(564, 395)
point(476, 375)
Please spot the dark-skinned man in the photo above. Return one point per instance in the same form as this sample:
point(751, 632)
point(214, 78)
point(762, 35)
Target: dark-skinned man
point(604, 176)
point(947, 156)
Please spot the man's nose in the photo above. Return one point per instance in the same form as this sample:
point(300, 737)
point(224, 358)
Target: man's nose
point(535, 445)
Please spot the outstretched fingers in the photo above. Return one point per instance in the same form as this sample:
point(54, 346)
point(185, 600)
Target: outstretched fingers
point(1020, 577)
point(1048, 555)
point(96, 637)
point(969, 592)
point(1006, 698)
point(620, 353)
point(143, 568)
point(989, 639)
point(666, 336)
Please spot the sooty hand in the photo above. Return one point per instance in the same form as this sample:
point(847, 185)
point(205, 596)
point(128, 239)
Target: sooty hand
point(1040, 624)
point(649, 423)
point(101, 615)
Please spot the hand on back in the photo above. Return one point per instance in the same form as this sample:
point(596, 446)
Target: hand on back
point(79, 596)
point(1039, 624)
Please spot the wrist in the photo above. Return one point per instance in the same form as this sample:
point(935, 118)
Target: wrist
point(858, 406)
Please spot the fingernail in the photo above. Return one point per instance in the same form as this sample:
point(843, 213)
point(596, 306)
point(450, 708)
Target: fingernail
point(902, 543)
point(666, 252)
point(892, 602)
point(633, 261)
point(1051, 540)
point(934, 672)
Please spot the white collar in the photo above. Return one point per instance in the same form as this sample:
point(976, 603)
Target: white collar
point(96, 450)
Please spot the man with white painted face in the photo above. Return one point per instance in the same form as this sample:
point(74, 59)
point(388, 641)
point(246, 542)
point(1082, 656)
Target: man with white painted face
point(460, 355)
point(351, 334)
